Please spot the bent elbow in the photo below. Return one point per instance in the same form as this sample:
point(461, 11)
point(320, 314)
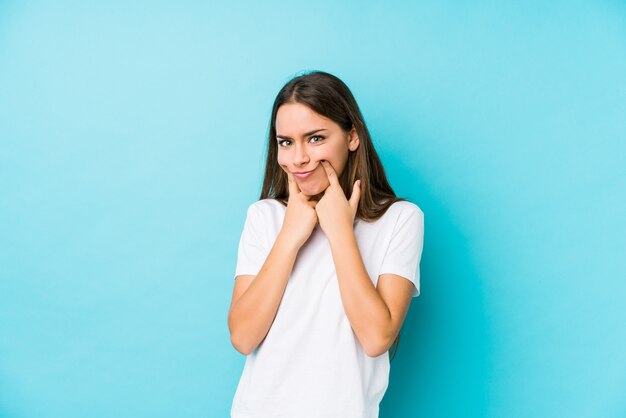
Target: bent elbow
point(240, 346)
point(375, 353)
point(236, 341)
point(377, 349)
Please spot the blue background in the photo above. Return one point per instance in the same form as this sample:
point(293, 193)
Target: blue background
point(132, 142)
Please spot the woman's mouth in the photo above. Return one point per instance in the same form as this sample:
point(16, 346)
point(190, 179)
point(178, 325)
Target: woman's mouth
point(303, 175)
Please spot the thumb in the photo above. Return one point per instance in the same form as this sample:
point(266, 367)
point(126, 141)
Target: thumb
point(355, 196)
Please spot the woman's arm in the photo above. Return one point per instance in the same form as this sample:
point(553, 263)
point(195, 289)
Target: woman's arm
point(253, 309)
point(375, 316)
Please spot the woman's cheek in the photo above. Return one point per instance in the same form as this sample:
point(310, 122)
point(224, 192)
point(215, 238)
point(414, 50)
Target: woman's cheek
point(281, 163)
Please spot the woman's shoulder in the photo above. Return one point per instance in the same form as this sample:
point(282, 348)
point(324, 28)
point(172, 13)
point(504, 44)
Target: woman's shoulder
point(396, 211)
point(404, 217)
point(406, 207)
point(266, 205)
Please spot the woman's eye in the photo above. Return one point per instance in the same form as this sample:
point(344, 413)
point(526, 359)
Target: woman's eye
point(280, 143)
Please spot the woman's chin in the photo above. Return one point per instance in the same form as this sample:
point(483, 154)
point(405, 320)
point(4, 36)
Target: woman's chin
point(313, 189)
point(314, 194)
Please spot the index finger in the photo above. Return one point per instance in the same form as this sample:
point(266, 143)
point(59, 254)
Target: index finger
point(330, 172)
point(293, 186)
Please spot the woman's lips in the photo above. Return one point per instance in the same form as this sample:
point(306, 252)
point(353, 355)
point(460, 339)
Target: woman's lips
point(303, 176)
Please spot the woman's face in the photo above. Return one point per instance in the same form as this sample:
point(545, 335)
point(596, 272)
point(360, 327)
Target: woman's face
point(304, 138)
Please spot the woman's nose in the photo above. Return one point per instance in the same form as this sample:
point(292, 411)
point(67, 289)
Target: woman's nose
point(300, 157)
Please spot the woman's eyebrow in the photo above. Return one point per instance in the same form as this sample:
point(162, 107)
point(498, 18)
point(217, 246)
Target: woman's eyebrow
point(306, 134)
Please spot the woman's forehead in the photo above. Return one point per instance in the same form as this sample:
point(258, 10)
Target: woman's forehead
point(298, 119)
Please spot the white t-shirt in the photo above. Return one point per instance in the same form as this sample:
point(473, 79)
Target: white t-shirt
point(311, 364)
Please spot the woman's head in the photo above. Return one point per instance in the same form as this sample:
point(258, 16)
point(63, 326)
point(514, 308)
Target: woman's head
point(304, 138)
point(315, 117)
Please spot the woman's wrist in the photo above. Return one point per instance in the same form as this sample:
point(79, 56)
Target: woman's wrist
point(287, 241)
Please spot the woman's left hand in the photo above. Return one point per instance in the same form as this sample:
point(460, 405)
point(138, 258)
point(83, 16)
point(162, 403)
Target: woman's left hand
point(334, 212)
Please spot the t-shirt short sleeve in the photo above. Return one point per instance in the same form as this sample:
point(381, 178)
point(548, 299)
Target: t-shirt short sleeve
point(252, 245)
point(405, 247)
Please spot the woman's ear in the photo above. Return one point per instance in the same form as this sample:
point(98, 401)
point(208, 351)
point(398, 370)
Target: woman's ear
point(353, 140)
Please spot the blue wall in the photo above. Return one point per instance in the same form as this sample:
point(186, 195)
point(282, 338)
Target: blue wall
point(132, 140)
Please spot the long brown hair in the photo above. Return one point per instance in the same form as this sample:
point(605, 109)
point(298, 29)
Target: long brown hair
point(328, 96)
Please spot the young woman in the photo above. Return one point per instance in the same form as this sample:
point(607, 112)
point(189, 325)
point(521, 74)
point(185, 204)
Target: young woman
point(328, 263)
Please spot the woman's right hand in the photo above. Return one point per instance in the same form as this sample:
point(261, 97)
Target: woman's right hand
point(300, 218)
